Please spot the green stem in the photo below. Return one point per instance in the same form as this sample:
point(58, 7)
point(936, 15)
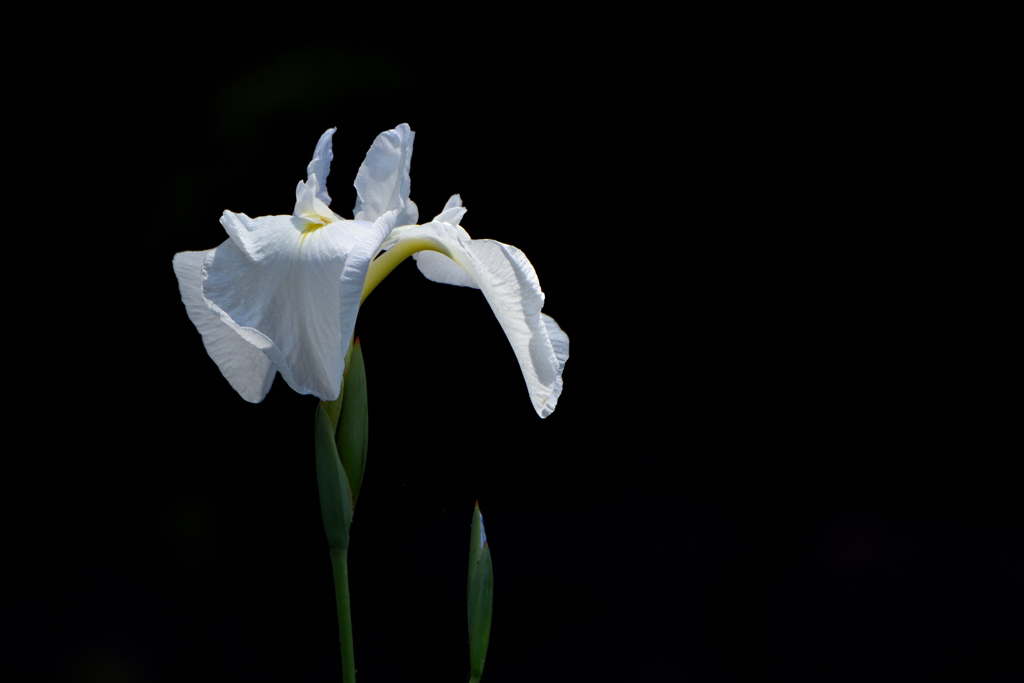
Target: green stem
point(474, 679)
point(339, 560)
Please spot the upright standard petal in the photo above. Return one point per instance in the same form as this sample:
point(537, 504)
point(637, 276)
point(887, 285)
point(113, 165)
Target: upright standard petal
point(245, 367)
point(277, 284)
point(382, 183)
point(320, 166)
point(510, 285)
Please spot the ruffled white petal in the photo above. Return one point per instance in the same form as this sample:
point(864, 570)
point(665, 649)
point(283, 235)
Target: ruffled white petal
point(383, 183)
point(354, 275)
point(277, 285)
point(320, 166)
point(244, 366)
point(510, 285)
point(258, 237)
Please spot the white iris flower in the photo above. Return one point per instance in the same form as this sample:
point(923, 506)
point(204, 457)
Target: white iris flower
point(282, 293)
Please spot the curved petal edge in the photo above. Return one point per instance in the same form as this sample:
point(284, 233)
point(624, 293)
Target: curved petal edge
point(243, 365)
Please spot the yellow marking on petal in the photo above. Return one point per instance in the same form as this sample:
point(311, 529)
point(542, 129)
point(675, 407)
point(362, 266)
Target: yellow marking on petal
point(311, 228)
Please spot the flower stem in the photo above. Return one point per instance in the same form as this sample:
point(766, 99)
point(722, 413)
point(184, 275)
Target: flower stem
point(339, 560)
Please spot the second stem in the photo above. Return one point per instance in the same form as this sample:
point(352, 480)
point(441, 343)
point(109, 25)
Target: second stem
point(339, 560)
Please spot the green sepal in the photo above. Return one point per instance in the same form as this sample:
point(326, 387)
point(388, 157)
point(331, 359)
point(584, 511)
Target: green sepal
point(480, 596)
point(335, 492)
point(353, 425)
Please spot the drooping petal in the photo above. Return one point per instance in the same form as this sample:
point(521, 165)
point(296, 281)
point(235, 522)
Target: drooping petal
point(245, 367)
point(510, 285)
point(320, 166)
point(383, 183)
point(277, 284)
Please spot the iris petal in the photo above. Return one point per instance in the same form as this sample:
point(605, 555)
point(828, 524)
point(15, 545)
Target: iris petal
point(320, 166)
point(288, 301)
point(245, 366)
point(510, 285)
point(354, 274)
point(382, 183)
point(453, 211)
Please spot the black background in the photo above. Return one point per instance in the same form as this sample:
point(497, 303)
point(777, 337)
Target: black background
point(781, 448)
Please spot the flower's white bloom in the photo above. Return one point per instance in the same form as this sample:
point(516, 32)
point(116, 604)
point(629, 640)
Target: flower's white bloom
point(282, 293)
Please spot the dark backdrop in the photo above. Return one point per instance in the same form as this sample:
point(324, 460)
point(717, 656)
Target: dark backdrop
point(780, 448)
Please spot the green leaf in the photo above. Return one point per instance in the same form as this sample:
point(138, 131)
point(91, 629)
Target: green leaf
point(353, 425)
point(335, 493)
point(480, 596)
